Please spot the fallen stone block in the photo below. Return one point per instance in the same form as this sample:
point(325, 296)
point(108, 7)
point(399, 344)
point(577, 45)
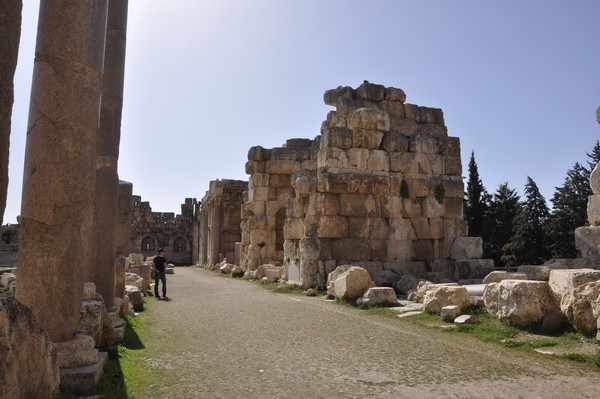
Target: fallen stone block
point(499, 275)
point(581, 306)
point(466, 319)
point(449, 313)
point(379, 296)
point(563, 281)
point(353, 283)
point(135, 297)
point(438, 297)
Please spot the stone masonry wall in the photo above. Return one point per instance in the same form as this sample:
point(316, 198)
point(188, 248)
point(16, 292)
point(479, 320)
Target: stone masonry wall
point(153, 230)
point(269, 189)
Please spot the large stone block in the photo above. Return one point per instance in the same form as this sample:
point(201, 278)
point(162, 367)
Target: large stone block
point(371, 92)
point(520, 302)
point(400, 250)
point(337, 137)
point(310, 248)
point(395, 94)
point(424, 144)
point(281, 166)
point(333, 227)
point(562, 281)
point(401, 229)
point(452, 165)
point(587, 240)
point(378, 161)
point(369, 119)
point(332, 276)
point(28, 365)
point(332, 157)
point(323, 204)
point(350, 249)
point(357, 158)
point(91, 321)
point(394, 108)
point(593, 210)
point(367, 138)
point(467, 248)
point(438, 297)
point(259, 180)
point(394, 141)
point(353, 283)
point(360, 227)
point(537, 272)
point(379, 296)
point(331, 96)
point(356, 204)
point(294, 228)
point(403, 162)
point(581, 306)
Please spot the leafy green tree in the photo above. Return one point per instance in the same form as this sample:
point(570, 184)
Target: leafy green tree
point(476, 200)
point(569, 212)
point(527, 244)
point(498, 222)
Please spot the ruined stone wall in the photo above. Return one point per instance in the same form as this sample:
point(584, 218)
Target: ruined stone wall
point(153, 230)
point(381, 187)
point(218, 221)
point(269, 188)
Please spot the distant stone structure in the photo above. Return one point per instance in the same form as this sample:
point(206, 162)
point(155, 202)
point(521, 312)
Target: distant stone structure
point(151, 231)
point(217, 222)
point(381, 187)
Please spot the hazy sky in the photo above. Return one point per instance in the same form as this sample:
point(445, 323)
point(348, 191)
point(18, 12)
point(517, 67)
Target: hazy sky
point(518, 81)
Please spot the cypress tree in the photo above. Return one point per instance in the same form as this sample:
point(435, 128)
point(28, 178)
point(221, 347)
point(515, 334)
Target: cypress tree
point(498, 222)
point(476, 199)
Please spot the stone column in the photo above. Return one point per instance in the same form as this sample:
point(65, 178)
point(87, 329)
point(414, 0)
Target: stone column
point(60, 161)
point(10, 35)
point(107, 153)
point(215, 236)
point(123, 233)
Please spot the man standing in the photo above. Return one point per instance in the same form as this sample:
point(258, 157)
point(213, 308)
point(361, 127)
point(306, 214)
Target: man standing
point(160, 265)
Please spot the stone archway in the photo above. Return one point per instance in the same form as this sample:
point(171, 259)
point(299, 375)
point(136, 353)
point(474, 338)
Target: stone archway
point(179, 245)
point(148, 246)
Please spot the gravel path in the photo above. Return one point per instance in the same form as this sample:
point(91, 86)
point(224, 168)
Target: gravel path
point(226, 338)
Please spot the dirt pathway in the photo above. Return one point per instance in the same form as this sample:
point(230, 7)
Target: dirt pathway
point(227, 338)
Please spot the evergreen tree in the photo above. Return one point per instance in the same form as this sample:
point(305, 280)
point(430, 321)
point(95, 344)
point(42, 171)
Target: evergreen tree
point(569, 212)
point(498, 222)
point(476, 199)
point(527, 244)
point(570, 207)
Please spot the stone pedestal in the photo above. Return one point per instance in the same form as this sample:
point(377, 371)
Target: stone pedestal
point(81, 364)
point(60, 161)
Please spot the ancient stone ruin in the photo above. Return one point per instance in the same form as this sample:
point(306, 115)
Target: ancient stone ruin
point(381, 187)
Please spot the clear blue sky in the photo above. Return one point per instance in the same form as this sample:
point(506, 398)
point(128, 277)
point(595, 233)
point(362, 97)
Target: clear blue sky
point(519, 83)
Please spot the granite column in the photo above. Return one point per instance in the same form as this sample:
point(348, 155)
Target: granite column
point(104, 224)
point(60, 161)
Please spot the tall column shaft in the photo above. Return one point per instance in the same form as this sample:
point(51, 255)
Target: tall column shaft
point(10, 35)
point(106, 196)
point(60, 161)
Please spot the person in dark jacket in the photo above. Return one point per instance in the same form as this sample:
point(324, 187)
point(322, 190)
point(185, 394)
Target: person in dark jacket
point(160, 266)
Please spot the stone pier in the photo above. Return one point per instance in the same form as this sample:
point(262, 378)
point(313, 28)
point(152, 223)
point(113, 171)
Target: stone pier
point(10, 34)
point(60, 161)
point(106, 196)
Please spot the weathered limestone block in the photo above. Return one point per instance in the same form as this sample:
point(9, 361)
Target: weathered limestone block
point(379, 296)
point(521, 302)
point(354, 249)
point(537, 272)
point(425, 286)
point(595, 180)
point(454, 210)
point(336, 137)
point(345, 105)
point(331, 96)
point(431, 115)
point(400, 250)
point(378, 161)
point(312, 273)
point(424, 144)
point(331, 277)
point(135, 280)
point(310, 248)
point(294, 228)
point(333, 227)
point(593, 210)
point(25, 352)
point(450, 312)
point(369, 119)
point(274, 274)
point(258, 180)
point(452, 165)
point(77, 352)
point(498, 275)
point(121, 266)
point(395, 94)
point(136, 258)
point(6, 279)
point(335, 158)
point(281, 166)
point(91, 320)
point(144, 270)
point(356, 205)
point(353, 283)
point(406, 284)
point(258, 153)
point(467, 269)
point(226, 268)
point(136, 298)
point(587, 240)
point(385, 278)
point(581, 306)
point(444, 295)
point(370, 92)
point(467, 248)
point(562, 281)
point(394, 141)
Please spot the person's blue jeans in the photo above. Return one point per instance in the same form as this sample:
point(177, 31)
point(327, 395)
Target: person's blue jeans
point(160, 276)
